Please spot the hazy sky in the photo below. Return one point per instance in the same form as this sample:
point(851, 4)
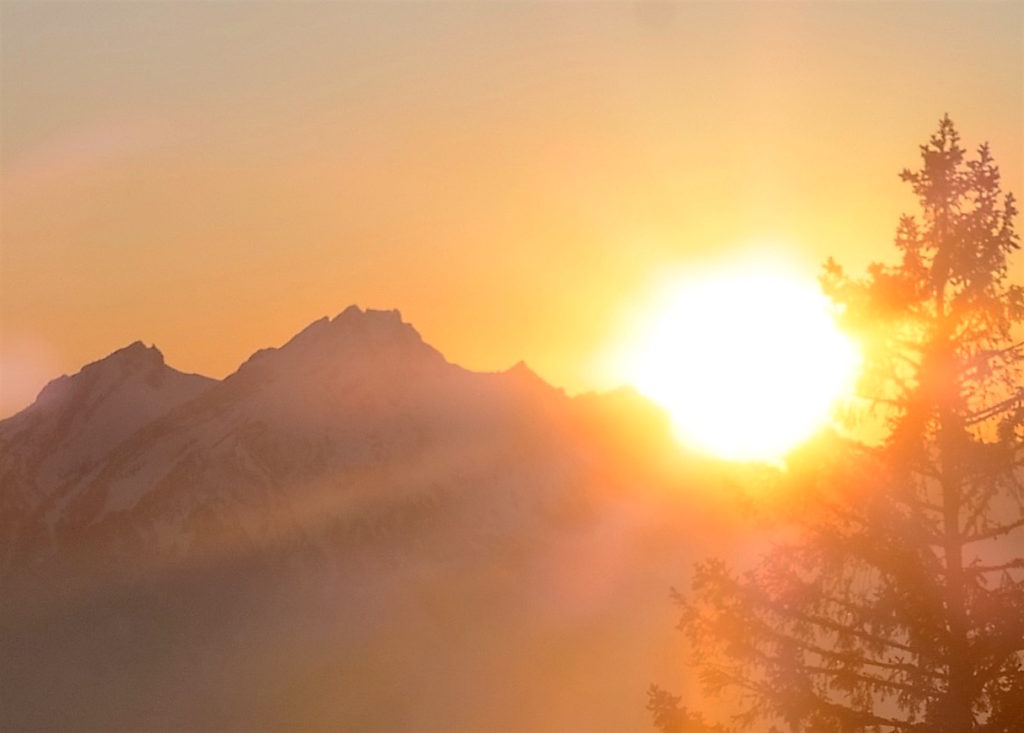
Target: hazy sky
point(210, 177)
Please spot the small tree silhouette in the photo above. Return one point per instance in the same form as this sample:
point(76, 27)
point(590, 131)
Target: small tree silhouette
point(898, 603)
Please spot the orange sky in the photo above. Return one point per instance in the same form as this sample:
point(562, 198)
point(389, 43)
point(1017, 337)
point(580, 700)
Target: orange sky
point(210, 177)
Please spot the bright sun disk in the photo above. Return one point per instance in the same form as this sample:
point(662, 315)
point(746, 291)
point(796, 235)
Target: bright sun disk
point(748, 364)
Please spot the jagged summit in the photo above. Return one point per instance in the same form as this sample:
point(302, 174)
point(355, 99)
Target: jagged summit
point(352, 335)
point(521, 373)
point(134, 364)
point(374, 325)
point(317, 500)
point(77, 419)
point(355, 314)
point(134, 351)
point(520, 367)
point(136, 358)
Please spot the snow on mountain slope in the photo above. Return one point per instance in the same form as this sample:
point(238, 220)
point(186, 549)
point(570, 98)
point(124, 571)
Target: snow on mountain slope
point(77, 420)
point(348, 533)
point(354, 417)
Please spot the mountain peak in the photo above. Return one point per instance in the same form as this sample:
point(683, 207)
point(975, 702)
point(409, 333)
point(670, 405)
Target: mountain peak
point(77, 419)
point(520, 367)
point(376, 331)
point(524, 377)
point(352, 334)
point(355, 325)
point(135, 358)
point(355, 322)
point(382, 323)
point(355, 314)
point(134, 355)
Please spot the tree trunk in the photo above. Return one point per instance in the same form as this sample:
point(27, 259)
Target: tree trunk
point(955, 711)
point(956, 715)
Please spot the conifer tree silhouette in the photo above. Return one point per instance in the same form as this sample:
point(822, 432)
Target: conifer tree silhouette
point(897, 604)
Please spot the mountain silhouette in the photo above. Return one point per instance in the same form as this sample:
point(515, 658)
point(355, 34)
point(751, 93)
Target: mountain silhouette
point(76, 421)
point(348, 532)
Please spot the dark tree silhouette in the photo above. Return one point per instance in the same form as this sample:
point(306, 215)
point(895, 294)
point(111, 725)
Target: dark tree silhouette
point(897, 601)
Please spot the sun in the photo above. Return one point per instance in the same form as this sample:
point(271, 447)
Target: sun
point(749, 363)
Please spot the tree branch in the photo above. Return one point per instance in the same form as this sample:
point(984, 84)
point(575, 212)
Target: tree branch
point(993, 532)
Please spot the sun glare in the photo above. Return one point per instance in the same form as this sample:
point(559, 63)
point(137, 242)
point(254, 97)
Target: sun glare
point(749, 363)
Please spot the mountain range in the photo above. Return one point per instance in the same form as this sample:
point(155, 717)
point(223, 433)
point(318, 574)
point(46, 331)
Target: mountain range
point(347, 533)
